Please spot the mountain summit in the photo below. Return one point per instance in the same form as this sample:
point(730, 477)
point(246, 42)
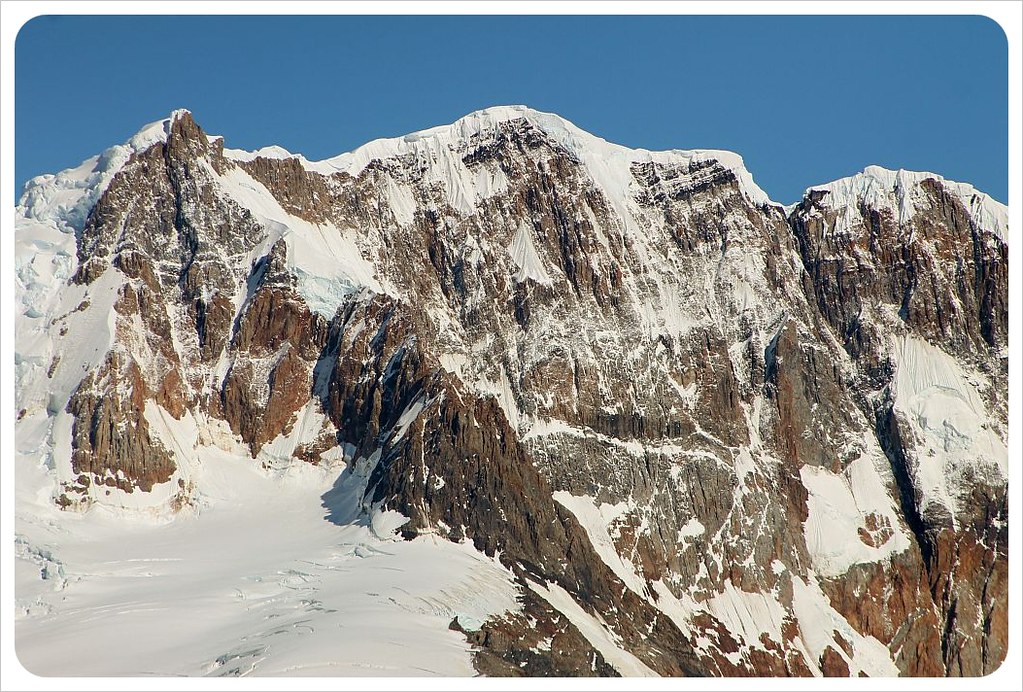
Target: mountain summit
point(578, 409)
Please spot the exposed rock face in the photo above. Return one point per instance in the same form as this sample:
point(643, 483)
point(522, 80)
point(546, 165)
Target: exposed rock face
point(941, 277)
point(111, 440)
point(547, 645)
point(717, 426)
point(276, 343)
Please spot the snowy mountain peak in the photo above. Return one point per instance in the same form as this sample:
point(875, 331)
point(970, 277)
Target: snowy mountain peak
point(65, 199)
point(608, 163)
point(156, 132)
point(883, 188)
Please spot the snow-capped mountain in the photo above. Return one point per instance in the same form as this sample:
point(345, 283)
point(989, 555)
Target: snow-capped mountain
point(501, 396)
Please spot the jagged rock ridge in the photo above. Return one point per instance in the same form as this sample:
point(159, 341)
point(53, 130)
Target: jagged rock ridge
point(744, 440)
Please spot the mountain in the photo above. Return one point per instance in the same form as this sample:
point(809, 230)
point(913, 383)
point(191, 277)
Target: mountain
point(597, 410)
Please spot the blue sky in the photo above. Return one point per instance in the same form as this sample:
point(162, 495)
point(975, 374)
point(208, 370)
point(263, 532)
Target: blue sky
point(804, 100)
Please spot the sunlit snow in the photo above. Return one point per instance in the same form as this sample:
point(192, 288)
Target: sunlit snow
point(253, 580)
point(954, 441)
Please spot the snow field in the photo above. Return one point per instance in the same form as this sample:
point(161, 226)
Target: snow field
point(253, 581)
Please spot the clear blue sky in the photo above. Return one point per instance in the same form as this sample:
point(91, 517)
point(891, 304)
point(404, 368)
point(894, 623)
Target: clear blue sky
point(804, 100)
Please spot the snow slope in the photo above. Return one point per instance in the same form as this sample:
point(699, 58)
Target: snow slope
point(851, 515)
point(940, 401)
point(253, 580)
point(326, 261)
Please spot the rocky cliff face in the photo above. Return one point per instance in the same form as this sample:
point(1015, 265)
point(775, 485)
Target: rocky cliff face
point(742, 440)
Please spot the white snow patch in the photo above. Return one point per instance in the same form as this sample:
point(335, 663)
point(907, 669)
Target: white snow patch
point(454, 363)
point(309, 421)
point(818, 622)
point(747, 614)
point(401, 201)
point(410, 413)
point(838, 507)
point(501, 390)
point(490, 181)
point(596, 519)
point(524, 254)
point(663, 311)
point(691, 529)
point(943, 407)
point(681, 611)
point(542, 427)
point(385, 523)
